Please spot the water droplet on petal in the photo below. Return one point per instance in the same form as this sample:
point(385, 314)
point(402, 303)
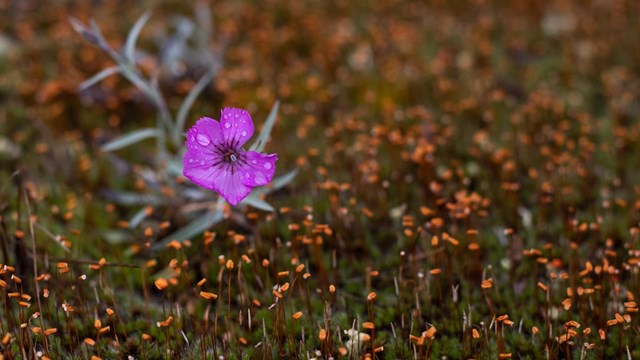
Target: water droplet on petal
point(244, 133)
point(190, 160)
point(267, 165)
point(237, 115)
point(247, 175)
point(201, 162)
point(203, 139)
point(227, 125)
point(191, 138)
point(254, 162)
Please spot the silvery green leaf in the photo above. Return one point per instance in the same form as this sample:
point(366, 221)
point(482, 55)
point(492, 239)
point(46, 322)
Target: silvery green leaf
point(130, 139)
point(196, 194)
point(151, 177)
point(101, 42)
point(191, 98)
point(140, 83)
point(283, 180)
point(203, 16)
point(138, 218)
point(150, 91)
point(174, 167)
point(84, 31)
point(114, 237)
point(132, 198)
point(130, 44)
point(254, 201)
point(78, 26)
point(261, 141)
point(194, 228)
point(277, 183)
point(176, 46)
point(98, 77)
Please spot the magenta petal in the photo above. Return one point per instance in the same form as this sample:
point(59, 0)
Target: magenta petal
point(257, 169)
point(229, 185)
point(197, 166)
point(222, 181)
point(203, 135)
point(236, 126)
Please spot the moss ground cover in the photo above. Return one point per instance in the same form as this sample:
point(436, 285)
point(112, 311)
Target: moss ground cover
point(465, 181)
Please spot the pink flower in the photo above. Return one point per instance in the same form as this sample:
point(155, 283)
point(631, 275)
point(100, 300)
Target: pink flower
point(215, 159)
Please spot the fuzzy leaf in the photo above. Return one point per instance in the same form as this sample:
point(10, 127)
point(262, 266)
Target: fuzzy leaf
point(257, 203)
point(277, 183)
point(114, 237)
point(101, 42)
point(131, 198)
point(261, 141)
point(191, 98)
point(174, 167)
point(105, 73)
point(142, 84)
point(130, 139)
point(194, 228)
point(138, 218)
point(84, 31)
point(203, 16)
point(130, 44)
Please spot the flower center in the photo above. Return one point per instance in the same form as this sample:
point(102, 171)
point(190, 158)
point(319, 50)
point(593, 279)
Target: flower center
point(231, 157)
